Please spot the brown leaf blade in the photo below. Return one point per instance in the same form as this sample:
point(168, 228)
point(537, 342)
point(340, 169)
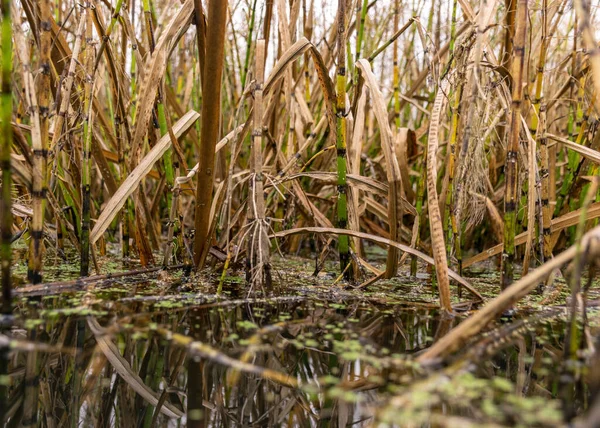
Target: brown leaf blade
point(133, 180)
point(435, 218)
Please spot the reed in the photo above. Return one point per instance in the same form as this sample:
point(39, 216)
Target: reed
point(211, 113)
point(379, 134)
point(449, 221)
point(353, 153)
point(6, 139)
point(538, 129)
point(40, 147)
point(512, 153)
point(86, 161)
point(258, 270)
point(342, 186)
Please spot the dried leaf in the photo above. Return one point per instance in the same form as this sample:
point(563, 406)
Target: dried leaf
point(133, 180)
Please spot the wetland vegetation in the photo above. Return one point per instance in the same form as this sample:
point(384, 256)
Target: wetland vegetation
point(299, 213)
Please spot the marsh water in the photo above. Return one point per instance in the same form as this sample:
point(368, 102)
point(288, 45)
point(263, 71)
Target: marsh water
point(315, 354)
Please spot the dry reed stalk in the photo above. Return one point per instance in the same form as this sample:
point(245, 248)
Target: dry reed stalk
point(435, 218)
point(449, 220)
point(511, 168)
point(40, 147)
point(211, 114)
point(258, 267)
point(22, 52)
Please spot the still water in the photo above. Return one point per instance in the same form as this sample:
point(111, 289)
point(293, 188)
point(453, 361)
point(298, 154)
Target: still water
point(121, 356)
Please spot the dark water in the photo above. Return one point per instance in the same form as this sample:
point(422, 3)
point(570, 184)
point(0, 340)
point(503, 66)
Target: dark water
point(107, 357)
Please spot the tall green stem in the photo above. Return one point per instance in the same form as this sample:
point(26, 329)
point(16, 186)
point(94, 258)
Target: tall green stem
point(449, 221)
point(5, 144)
point(342, 202)
point(86, 163)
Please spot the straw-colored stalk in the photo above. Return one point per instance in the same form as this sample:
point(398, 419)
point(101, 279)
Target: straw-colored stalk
point(538, 130)
point(40, 148)
point(258, 267)
point(86, 163)
point(511, 165)
point(435, 218)
point(211, 115)
point(5, 164)
point(39, 190)
point(342, 185)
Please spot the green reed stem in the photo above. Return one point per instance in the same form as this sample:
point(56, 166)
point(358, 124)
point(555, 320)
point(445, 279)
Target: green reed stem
point(342, 202)
point(5, 164)
point(510, 196)
point(86, 164)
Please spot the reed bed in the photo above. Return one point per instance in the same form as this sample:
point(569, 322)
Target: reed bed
point(201, 132)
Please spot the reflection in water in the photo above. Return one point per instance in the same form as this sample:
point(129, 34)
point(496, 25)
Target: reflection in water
point(103, 361)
